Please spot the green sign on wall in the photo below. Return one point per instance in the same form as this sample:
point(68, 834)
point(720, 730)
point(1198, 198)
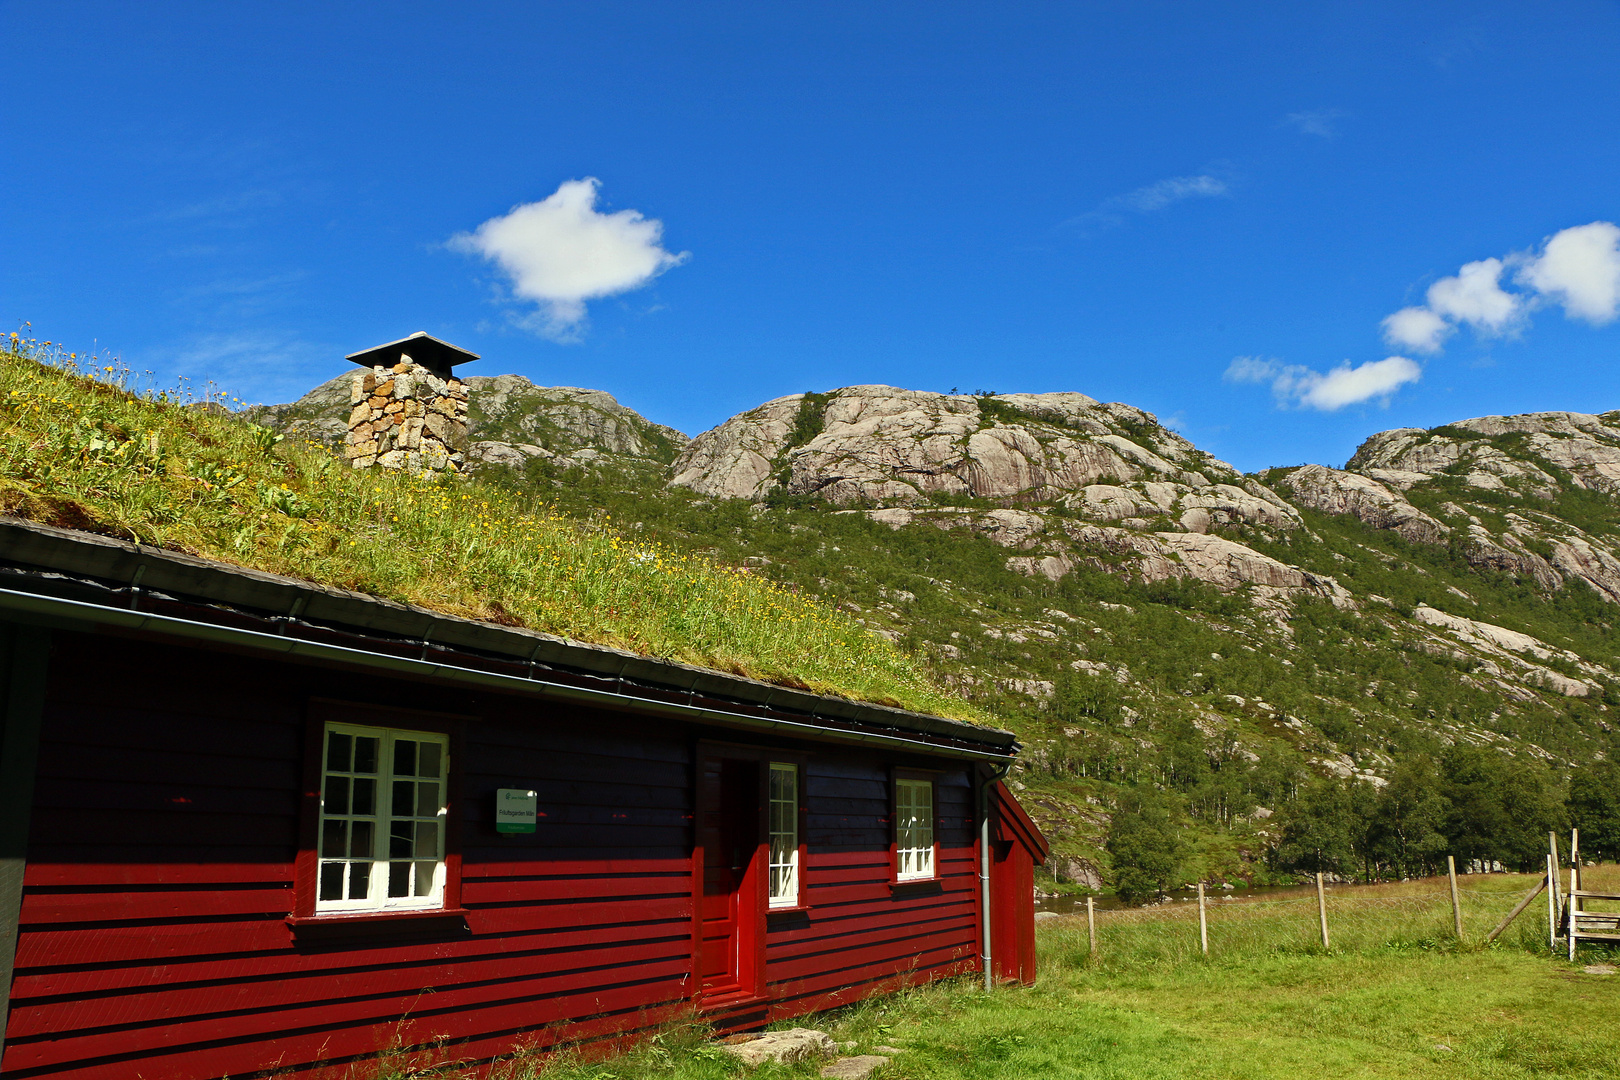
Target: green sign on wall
point(514, 810)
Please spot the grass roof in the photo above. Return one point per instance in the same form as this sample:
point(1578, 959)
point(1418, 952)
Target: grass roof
point(79, 449)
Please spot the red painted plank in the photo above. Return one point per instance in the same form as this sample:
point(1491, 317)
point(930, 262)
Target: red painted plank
point(618, 889)
point(41, 947)
point(204, 902)
point(57, 875)
point(300, 1052)
point(553, 942)
point(65, 1017)
point(539, 862)
point(346, 1019)
point(895, 949)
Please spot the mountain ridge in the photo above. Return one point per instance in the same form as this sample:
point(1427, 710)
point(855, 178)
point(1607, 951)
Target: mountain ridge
point(1140, 611)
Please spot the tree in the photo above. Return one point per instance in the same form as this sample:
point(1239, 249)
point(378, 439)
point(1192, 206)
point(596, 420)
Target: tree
point(1406, 834)
point(1145, 847)
point(1320, 830)
point(1594, 808)
point(1500, 809)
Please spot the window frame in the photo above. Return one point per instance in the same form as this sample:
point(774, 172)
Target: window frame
point(795, 902)
point(323, 715)
point(899, 777)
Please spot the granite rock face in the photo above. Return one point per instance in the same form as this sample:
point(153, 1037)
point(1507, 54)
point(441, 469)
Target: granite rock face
point(509, 420)
point(1080, 482)
point(1490, 488)
point(515, 420)
point(1334, 491)
point(892, 447)
point(1496, 452)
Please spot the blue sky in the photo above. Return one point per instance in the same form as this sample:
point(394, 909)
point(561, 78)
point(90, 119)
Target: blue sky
point(1202, 210)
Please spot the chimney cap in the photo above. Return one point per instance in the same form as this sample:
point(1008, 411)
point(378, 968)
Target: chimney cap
point(422, 347)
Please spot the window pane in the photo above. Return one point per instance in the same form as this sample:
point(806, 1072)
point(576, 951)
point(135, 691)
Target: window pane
point(399, 879)
point(427, 799)
point(332, 881)
point(337, 751)
point(336, 800)
point(335, 839)
point(362, 824)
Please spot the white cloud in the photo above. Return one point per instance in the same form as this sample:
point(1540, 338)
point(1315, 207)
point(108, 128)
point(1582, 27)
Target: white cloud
point(1318, 122)
point(1300, 387)
point(1580, 269)
point(1416, 328)
point(1475, 296)
point(561, 251)
point(1145, 200)
point(1152, 198)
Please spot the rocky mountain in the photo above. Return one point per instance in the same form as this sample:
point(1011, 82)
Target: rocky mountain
point(1135, 608)
point(511, 422)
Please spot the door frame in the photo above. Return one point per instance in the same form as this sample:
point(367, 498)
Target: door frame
point(753, 901)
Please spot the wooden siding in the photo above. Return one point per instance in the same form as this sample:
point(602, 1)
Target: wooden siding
point(155, 938)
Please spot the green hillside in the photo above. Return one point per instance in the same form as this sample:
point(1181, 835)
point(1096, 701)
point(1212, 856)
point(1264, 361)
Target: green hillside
point(1245, 679)
point(78, 450)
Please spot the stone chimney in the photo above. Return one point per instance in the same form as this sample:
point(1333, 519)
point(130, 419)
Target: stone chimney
point(409, 410)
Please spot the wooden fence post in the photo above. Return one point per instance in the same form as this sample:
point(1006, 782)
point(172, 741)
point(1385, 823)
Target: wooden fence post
point(1574, 887)
point(1555, 865)
point(1321, 907)
point(1456, 907)
point(1552, 903)
point(1203, 922)
point(1091, 926)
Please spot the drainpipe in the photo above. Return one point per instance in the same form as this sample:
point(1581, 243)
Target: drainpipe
point(984, 878)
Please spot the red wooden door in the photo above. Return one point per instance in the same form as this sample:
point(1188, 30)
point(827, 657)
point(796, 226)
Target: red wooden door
point(729, 837)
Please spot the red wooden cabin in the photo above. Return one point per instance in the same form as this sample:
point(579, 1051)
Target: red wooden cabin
point(251, 824)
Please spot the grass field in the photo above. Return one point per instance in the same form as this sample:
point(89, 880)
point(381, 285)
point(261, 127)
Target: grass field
point(80, 450)
point(1400, 999)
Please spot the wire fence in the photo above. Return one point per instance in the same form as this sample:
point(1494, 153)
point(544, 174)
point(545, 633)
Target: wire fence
point(1406, 915)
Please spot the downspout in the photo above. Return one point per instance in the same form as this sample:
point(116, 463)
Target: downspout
point(987, 958)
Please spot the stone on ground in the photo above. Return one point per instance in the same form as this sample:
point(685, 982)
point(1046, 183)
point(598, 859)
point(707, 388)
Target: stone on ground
point(858, 1067)
point(793, 1045)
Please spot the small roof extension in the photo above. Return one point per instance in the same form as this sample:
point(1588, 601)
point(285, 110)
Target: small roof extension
point(423, 348)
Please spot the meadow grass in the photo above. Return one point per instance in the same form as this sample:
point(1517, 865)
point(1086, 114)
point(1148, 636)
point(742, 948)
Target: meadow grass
point(80, 450)
point(1269, 1004)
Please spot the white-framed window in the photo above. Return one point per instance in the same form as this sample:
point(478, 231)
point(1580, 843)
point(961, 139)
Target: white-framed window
point(382, 819)
point(913, 828)
point(783, 821)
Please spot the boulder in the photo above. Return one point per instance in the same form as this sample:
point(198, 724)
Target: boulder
point(858, 1067)
point(787, 1047)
